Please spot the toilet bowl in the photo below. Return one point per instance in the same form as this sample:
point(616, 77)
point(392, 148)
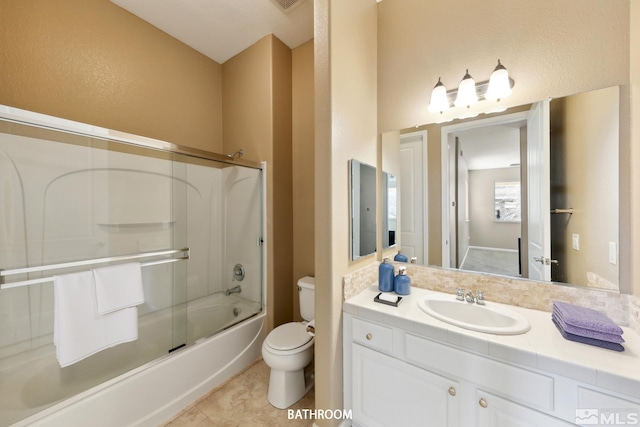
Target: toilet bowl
point(288, 350)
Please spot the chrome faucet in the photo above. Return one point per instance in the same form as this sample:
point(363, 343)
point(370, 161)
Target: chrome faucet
point(480, 297)
point(460, 294)
point(469, 297)
point(234, 290)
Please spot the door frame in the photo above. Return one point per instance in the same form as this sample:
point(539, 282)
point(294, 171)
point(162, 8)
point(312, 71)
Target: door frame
point(446, 132)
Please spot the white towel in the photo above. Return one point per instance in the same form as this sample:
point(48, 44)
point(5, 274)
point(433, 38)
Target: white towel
point(79, 331)
point(118, 287)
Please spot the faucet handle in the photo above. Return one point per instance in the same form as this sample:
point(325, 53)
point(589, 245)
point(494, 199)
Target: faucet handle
point(480, 297)
point(460, 294)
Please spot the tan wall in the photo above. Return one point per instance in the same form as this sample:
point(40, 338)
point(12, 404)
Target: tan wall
point(282, 183)
point(303, 167)
point(246, 99)
point(550, 48)
point(484, 230)
point(635, 147)
point(590, 183)
point(256, 98)
point(345, 110)
point(93, 62)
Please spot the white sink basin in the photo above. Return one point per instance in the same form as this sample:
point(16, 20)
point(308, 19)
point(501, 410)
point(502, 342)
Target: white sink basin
point(490, 318)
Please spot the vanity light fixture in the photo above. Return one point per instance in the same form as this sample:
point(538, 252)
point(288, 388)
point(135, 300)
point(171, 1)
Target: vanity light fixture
point(467, 95)
point(439, 100)
point(468, 92)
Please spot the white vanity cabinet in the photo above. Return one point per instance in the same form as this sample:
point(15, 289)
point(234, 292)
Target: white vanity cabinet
point(494, 411)
point(389, 392)
point(396, 377)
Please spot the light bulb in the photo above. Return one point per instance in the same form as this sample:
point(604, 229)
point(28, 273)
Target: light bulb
point(499, 85)
point(466, 92)
point(439, 101)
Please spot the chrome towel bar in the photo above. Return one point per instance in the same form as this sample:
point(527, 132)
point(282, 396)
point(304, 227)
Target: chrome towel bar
point(562, 211)
point(4, 273)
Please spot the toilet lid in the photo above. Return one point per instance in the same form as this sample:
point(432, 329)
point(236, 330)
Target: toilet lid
point(288, 336)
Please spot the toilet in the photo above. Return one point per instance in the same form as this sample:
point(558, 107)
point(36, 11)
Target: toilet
point(288, 350)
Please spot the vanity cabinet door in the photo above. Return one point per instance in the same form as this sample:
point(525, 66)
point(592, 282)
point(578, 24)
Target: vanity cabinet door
point(388, 392)
point(494, 411)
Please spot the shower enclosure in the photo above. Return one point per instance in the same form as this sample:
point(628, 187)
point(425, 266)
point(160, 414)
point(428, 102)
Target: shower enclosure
point(75, 197)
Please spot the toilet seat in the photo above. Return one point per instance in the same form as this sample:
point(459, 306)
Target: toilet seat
point(288, 336)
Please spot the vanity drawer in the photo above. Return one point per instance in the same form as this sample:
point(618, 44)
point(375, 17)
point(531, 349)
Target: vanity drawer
point(514, 383)
point(588, 398)
point(372, 335)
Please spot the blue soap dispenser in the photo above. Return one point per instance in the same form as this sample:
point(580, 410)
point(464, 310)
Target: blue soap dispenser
point(385, 276)
point(400, 257)
point(402, 282)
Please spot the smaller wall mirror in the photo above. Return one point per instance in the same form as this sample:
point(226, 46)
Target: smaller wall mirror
point(389, 210)
point(362, 186)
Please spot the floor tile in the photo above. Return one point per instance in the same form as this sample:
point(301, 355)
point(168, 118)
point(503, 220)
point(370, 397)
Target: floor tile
point(242, 402)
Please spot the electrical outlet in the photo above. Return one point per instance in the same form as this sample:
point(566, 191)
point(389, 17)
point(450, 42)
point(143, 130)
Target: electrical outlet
point(613, 253)
point(575, 241)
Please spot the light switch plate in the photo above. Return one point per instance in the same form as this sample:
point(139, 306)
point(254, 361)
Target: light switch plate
point(613, 253)
point(575, 241)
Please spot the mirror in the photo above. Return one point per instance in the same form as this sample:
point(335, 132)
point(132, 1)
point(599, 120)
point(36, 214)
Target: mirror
point(488, 171)
point(362, 189)
point(389, 210)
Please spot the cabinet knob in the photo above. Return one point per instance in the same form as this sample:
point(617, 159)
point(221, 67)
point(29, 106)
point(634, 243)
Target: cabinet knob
point(483, 402)
point(369, 336)
point(452, 391)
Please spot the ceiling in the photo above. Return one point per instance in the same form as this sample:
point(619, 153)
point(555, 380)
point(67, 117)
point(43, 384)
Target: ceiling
point(491, 147)
point(220, 29)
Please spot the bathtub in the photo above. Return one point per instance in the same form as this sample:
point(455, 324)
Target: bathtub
point(147, 395)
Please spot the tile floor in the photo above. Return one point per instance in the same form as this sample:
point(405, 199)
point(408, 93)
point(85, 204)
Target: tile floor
point(242, 401)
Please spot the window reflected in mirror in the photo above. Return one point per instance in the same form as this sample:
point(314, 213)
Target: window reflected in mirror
point(507, 201)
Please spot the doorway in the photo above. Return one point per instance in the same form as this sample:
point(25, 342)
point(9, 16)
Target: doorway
point(484, 220)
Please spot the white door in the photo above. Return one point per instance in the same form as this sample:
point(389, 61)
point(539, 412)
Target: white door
point(539, 219)
point(412, 196)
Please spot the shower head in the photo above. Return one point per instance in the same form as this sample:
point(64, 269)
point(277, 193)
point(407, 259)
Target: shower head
point(238, 153)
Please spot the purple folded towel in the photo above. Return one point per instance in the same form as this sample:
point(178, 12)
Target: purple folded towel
point(586, 318)
point(598, 343)
point(585, 332)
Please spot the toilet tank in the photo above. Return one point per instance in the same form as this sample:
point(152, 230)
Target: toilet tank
point(307, 297)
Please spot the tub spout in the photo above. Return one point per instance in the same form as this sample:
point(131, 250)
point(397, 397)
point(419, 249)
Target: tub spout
point(234, 290)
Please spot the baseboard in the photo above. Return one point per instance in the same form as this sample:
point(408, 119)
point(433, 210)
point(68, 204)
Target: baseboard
point(484, 248)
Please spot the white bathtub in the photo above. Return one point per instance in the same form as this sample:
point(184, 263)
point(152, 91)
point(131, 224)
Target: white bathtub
point(152, 393)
